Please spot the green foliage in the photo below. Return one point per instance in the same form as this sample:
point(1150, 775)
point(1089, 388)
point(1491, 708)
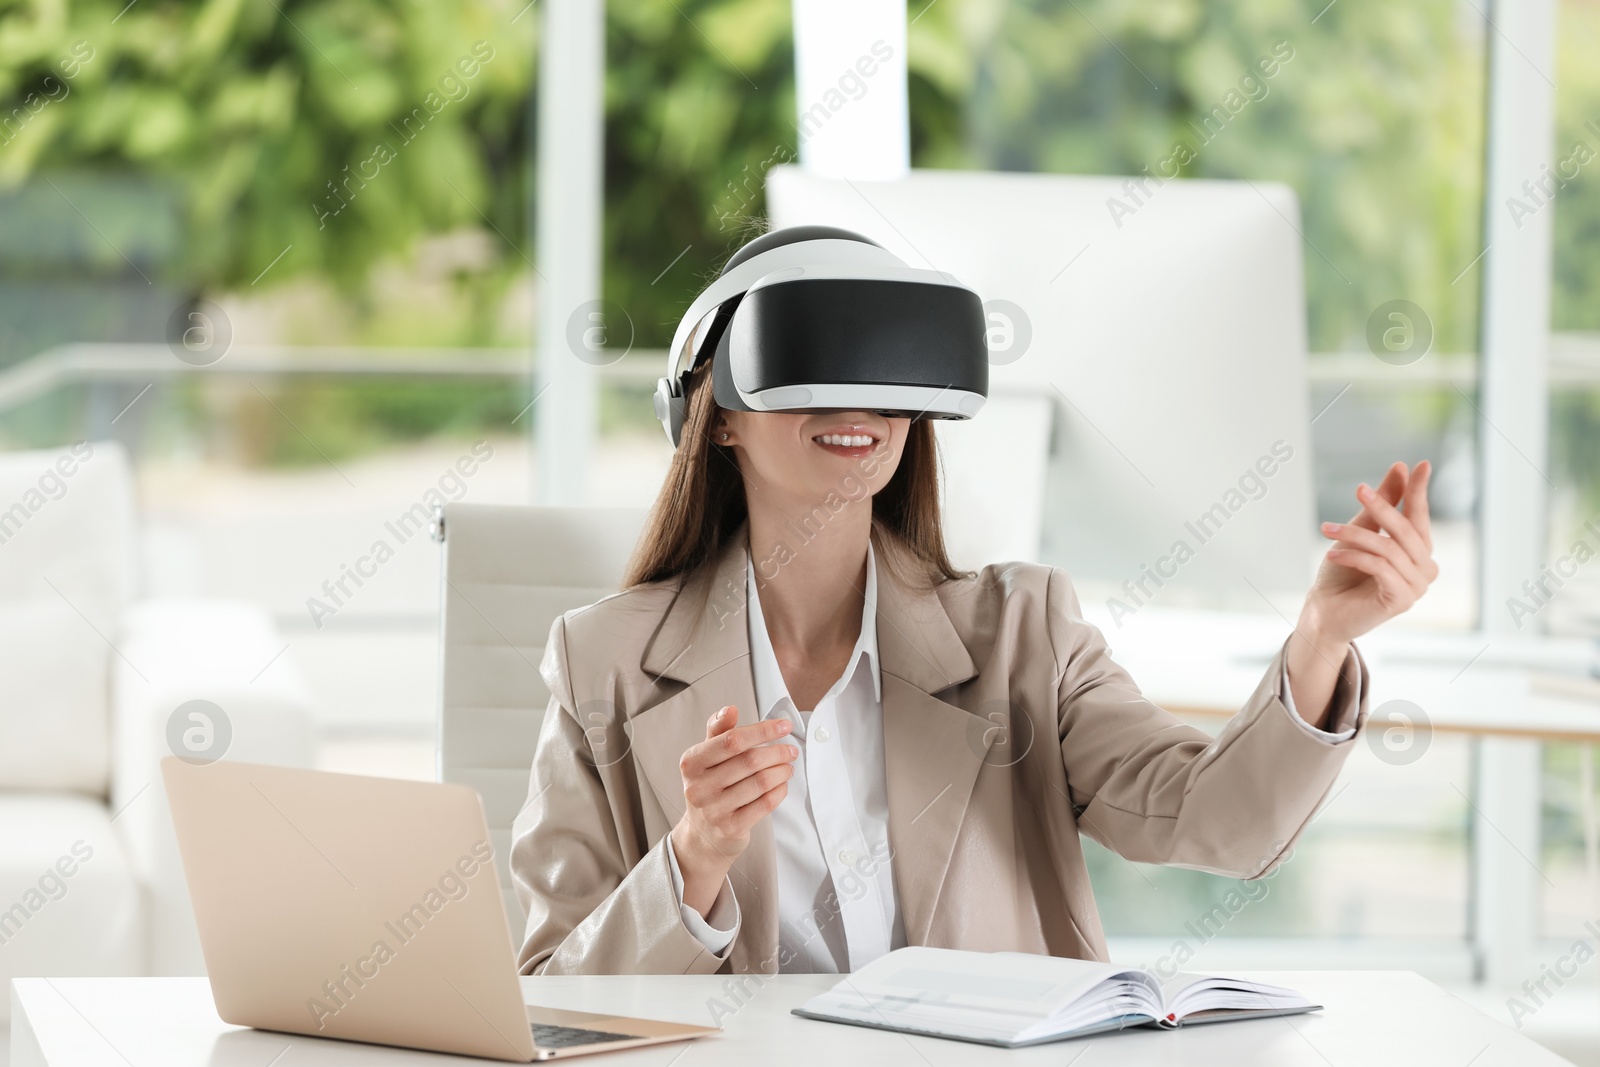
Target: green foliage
point(257, 108)
point(1575, 452)
point(699, 101)
point(1576, 300)
point(309, 421)
point(1563, 802)
point(1376, 119)
point(340, 131)
point(1373, 114)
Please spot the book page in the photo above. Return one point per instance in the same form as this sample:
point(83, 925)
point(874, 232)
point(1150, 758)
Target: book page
point(1192, 996)
point(983, 996)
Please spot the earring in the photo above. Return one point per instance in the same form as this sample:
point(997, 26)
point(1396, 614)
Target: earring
point(724, 437)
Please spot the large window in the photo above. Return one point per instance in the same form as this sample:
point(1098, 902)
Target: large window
point(294, 241)
point(1570, 190)
point(294, 237)
point(1374, 115)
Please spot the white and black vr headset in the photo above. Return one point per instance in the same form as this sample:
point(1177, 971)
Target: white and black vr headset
point(816, 318)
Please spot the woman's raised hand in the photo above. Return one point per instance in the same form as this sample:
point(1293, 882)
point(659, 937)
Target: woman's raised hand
point(731, 780)
point(1382, 560)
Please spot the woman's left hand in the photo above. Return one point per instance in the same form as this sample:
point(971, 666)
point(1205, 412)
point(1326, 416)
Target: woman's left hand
point(1382, 561)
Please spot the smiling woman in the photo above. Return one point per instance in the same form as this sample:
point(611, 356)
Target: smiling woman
point(807, 681)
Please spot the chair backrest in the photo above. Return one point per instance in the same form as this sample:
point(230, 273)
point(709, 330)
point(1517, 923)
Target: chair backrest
point(508, 572)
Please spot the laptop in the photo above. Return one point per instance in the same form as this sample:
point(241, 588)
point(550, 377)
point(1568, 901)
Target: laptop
point(366, 909)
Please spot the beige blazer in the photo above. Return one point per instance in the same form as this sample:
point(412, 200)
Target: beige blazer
point(1008, 731)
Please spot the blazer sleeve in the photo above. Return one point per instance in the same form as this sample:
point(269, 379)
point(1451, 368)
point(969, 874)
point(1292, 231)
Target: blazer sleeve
point(1157, 790)
point(598, 902)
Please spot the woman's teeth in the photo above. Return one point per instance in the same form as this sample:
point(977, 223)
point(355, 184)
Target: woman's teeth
point(845, 440)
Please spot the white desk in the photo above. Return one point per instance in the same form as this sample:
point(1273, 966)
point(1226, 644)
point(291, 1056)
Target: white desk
point(1373, 1018)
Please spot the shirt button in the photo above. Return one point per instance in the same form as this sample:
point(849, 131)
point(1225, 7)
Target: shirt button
point(821, 733)
point(846, 857)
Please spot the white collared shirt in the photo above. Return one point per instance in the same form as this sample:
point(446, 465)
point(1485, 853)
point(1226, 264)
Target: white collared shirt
point(837, 907)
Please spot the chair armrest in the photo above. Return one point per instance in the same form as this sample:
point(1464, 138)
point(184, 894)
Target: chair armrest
point(169, 652)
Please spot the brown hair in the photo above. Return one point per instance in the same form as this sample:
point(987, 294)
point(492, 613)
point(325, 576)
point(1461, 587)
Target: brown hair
point(702, 502)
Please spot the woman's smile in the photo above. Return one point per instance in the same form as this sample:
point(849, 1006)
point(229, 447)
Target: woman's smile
point(851, 441)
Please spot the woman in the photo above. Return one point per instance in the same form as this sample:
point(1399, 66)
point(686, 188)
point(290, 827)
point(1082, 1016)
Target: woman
point(800, 738)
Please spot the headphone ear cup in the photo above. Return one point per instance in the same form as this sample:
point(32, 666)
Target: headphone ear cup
point(670, 409)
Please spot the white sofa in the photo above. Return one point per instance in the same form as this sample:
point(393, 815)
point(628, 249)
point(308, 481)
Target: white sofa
point(90, 678)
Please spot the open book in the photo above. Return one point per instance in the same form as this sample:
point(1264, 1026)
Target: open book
point(1017, 998)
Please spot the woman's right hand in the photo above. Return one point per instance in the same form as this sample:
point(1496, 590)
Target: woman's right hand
point(731, 780)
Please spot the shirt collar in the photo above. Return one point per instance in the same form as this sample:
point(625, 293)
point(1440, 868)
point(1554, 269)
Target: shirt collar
point(771, 690)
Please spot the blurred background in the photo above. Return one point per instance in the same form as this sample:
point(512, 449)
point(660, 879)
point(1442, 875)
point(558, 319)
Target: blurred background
point(288, 254)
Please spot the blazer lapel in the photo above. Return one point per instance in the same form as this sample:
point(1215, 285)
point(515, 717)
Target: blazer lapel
point(704, 643)
point(933, 750)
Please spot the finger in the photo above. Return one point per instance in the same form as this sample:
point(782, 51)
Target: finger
point(1390, 489)
point(1399, 527)
point(1380, 569)
point(699, 756)
point(1417, 501)
point(759, 808)
point(741, 739)
point(722, 720)
point(1377, 544)
point(748, 789)
point(732, 771)
point(704, 788)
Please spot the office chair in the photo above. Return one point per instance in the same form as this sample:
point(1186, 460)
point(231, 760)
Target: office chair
point(507, 573)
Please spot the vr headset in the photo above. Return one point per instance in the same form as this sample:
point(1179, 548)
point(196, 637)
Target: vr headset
point(817, 318)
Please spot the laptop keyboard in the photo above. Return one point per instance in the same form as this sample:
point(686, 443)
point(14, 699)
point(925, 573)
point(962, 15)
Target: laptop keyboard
point(547, 1036)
